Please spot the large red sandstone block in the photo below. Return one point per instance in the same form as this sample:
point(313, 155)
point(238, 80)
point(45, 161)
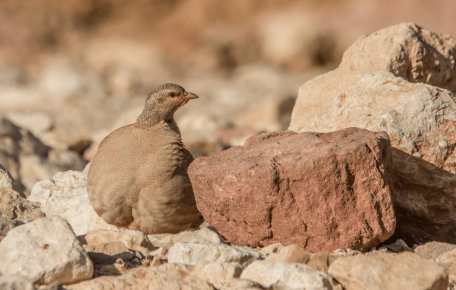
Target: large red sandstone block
point(321, 191)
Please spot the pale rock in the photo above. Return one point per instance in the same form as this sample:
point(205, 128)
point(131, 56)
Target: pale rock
point(15, 206)
point(244, 284)
point(6, 225)
point(6, 180)
point(131, 239)
point(406, 50)
point(65, 195)
point(44, 251)
point(271, 249)
point(168, 276)
point(340, 253)
point(280, 275)
point(297, 254)
point(417, 118)
point(389, 272)
point(202, 235)
point(13, 282)
point(194, 253)
point(433, 250)
point(217, 273)
point(448, 260)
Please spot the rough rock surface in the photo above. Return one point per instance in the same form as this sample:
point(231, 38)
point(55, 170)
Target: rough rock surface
point(6, 180)
point(132, 239)
point(216, 273)
point(65, 195)
point(389, 272)
point(14, 205)
point(280, 275)
point(296, 254)
point(194, 253)
point(321, 191)
point(28, 159)
point(15, 210)
point(13, 282)
point(420, 121)
point(169, 276)
point(406, 50)
point(202, 235)
point(44, 251)
point(432, 250)
point(448, 260)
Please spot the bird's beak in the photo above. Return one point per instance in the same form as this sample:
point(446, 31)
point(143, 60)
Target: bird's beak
point(191, 96)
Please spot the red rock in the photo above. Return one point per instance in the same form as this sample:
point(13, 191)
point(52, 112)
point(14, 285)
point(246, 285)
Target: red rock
point(320, 191)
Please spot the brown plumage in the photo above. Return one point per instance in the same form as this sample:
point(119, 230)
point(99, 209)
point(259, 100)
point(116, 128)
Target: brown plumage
point(138, 178)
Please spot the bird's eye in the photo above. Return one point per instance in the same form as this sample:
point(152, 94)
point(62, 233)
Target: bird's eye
point(172, 94)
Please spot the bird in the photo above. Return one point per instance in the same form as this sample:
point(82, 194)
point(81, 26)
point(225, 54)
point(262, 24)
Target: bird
point(138, 178)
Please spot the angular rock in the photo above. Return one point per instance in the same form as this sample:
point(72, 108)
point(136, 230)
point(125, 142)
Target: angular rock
point(244, 284)
point(13, 282)
point(65, 195)
point(6, 225)
point(448, 260)
point(320, 191)
point(389, 272)
point(282, 275)
point(169, 276)
point(194, 253)
point(296, 254)
point(202, 235)
point(113, 258)
point(432, 250)
point(406, 50)
point(420, 121)
point(131, 239)
point(6, 180)
point(44, 251)
point(217, 274)
point(15, 206)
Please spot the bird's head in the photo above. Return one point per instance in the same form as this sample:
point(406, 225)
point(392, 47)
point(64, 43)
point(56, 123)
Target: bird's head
point(163, 102)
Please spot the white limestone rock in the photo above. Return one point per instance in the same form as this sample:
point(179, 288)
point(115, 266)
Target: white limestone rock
point(194, 253)
point(44, 251)
point(65, 195)
point(281, 275)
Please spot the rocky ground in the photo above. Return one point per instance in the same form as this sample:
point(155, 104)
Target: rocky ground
point(359, 194)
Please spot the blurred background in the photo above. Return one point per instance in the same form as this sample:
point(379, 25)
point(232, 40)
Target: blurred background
point(73, 71)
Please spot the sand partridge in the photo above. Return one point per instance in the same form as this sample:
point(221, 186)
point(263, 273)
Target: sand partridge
point(138, 178)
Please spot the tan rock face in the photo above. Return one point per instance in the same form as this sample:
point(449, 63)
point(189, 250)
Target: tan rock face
point(421, 123)
point(389, 272)
point(321, 191)
point(406, 50)
point(296, 254)
point(194, 253)
point(169, 276)
point(131, 239)
point(448, 260)
point(432, 250)
point(6, 180)
point(282, 275)
point(15, 206)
